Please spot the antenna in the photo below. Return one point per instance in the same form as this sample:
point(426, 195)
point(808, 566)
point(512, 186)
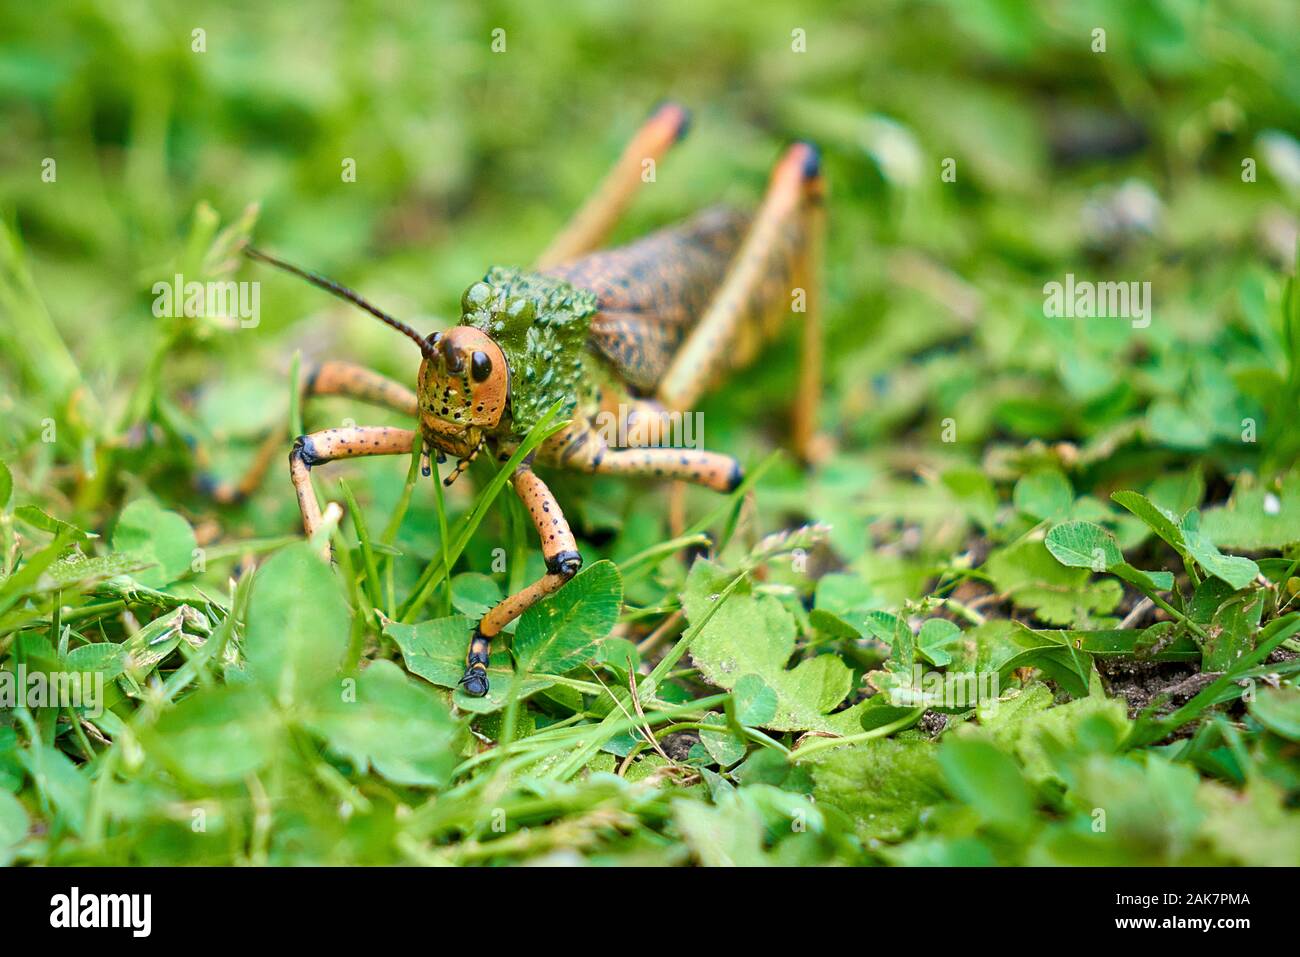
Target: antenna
point(343, 292)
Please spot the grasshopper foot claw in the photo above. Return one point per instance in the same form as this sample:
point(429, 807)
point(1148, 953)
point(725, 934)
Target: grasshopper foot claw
point(475, 682)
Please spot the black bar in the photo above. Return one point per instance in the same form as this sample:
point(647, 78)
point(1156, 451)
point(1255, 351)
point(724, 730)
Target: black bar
point(212, 905)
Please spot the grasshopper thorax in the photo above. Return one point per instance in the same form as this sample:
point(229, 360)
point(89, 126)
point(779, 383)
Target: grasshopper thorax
point(541, 324)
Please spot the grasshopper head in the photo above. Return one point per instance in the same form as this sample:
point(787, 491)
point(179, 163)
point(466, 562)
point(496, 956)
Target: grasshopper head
point(464, 385)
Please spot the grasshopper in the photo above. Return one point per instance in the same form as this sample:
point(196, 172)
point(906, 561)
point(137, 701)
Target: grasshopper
point(640, 331)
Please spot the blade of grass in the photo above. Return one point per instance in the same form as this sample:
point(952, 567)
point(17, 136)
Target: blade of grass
point(27, 577)
point(604, 731)
point(295, 395)
point(822, 744)
point(368, 564)
point(404, 500)
point(440, 505)
point(663, 548)
point(363, 611)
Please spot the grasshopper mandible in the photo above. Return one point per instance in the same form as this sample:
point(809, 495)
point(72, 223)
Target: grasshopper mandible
point(642, 330)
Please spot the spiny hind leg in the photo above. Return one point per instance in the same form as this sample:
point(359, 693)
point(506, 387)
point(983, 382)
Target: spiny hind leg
point(594, 221)
point(627, 421)
point(562, 562)
point(329, 445)
point(722, 473)
point(582, 448)
point(762, 285)
point(329, 378)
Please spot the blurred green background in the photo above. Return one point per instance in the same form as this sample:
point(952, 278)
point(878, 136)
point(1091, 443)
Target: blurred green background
point(1169, 156)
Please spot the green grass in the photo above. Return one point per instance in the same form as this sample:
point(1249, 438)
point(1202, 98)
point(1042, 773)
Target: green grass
point(1097, 519)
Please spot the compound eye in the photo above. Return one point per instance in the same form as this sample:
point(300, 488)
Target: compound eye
point(480, 366)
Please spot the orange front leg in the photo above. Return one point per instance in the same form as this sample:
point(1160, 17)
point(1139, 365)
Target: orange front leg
point(562, 562)
point(331, 444)
point(333, 377)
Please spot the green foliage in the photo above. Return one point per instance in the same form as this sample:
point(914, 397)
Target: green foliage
point(391, 723)
point(218, 737)
point(560, 633)
point(750, 638)
point(1027, 573)
point(435, 650)
point(884, 786)
point(1257, 519)
point(162, 538)
point(297, 625)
